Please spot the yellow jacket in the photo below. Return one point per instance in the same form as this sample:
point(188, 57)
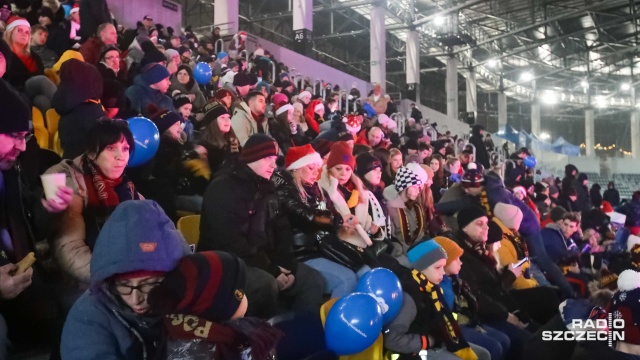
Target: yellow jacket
point(508, 255)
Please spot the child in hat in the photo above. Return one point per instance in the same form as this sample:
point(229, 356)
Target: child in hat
point(425, 324)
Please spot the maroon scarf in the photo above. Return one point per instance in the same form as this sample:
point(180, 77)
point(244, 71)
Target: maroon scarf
point(104, 193)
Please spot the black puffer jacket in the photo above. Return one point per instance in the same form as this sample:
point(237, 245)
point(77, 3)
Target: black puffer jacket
point(241, 215)
point(310, 221)
point(482, 156)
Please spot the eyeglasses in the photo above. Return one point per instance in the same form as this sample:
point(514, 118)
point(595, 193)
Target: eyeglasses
point(109, 58)
point(123, 289)
point(20, 138)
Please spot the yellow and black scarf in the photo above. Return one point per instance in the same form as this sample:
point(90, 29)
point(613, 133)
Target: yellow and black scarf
point(409, 237)
point(484, 200)
point(448, 327)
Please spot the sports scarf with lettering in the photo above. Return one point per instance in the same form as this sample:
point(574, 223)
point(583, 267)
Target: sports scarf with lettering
point(447, 325)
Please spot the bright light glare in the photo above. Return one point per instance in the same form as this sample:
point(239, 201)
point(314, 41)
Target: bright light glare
point(438, 21)
point(584, 84)
point(625, 87)
point(601, 102)
point(545, 136)
point(550, 97)
point(526, 76)
point(492, 63)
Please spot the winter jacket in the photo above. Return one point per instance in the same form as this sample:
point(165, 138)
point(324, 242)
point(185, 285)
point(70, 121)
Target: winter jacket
point(583, 202)
point(632, 210)
point(90, 50)
point(476, 139)
point(92, 14)
point(309, 221)
point(199, 101)
point(243, 123)
point(595, 197)
point(555, 243)
point(76, 231)
point(218, 158)
point(100, 325)
point(395, 205)
point(511, 252)
point(17, 73)
point(612, 196)
point(181, 166)
point(245, 219)
point(48, 57)
point(58, 39)
point(77, 102)
point(141, 95)
point(490, 287)
point(380, 105)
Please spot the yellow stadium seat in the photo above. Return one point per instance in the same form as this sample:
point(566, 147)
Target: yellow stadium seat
point(51, 120)
point(189, 226)
point(373, 352)
point(56, 144)
point(39, 130)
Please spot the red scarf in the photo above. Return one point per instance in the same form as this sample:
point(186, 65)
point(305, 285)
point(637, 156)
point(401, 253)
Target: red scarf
point(28, 62)
point(258, 119)
point(101, 190)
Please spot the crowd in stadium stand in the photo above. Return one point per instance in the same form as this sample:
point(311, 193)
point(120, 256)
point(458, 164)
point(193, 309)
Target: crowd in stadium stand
point(298, 198)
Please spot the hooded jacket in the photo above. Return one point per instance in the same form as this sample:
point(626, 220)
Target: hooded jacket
point(476, 139)
point(556, 244)
point(77, 100)
point(583, 202)
point(141, 95)
point(137, 237)
point(612, 195)
point(243, 123)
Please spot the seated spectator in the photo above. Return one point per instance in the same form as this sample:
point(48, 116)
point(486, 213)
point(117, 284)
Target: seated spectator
point(184, 82)
point(173, 60)
point(137, 246)
point(23, 67)
point(177, 162)
point(314, 117)
point(373, 137)
point(405, 212)
point(58, 31)
point(302, 200)
point(77, 100)
point(249, 117)
point(183, 106)
point(369, 170)
point(424, 325)
point(27, 309)
point(244, 220)
point(632, 210)
point(378, 100)
point(92, 48)
point(113, 100)
point(390, 171)
point(39, 35)
point(99, 185)
point(218, 138)
point(436, 163)
point(53, 74)
point(557, 237)
point(74, 29)
point(149, 88)
point(283, 129)
point(228, 334)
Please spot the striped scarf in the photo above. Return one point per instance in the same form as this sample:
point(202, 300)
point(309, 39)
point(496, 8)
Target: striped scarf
point(407, 236)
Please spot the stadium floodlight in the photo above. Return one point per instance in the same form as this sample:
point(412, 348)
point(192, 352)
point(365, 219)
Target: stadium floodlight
point(550, 97)
point(439, 20)
point(492, 63)
point(545, 136)
point(584, 84)
point(526, 76)
point(625, 87)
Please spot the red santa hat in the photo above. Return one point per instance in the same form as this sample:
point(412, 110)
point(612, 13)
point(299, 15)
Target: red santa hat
point(16, 21)
point(75, 9)
point(318, 107)
point(281, 107)
point(606, 207)
point(352, 122)
point(300, 156)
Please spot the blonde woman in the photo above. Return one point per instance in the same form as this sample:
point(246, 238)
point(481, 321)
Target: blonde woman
point(394, 164)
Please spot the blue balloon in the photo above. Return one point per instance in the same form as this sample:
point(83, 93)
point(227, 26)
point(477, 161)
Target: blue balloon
point(530, 162)
point(67, 10)
point(353, 324)
point(202, 73)
point(385, 286)
point(147, 139)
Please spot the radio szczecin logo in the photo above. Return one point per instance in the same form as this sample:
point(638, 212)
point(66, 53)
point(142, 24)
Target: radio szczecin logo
point(609, 329)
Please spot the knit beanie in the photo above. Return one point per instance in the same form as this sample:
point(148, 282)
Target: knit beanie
point(473, 177)
point(495, 233)
point(263, 85)
point(608, 280)
point(278, 98)
point(105, 49)
point(469, 214)
point(257, 147)
point(212, 111)
point(341, 154)
point(510, 215)
point(242, 79)
point(46, 12)
point(322, 146)
point(582, 177)
point(222, 93)
point(170, 54)
point(151, 54)
point(419, 171)
point(222, 55)
point(625, 305)
point(426, 254)
point(183, 49)
point(154, 73)
point(405, 178)
point(366, 162)
point(453, 250)
point(16, 114)
point(164, 119)
point(301, 156)
point(209, 285)
point(180, 100)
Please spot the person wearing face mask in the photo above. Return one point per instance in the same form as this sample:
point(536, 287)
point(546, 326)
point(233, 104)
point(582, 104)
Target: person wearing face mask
point(244, 219)
point(218, 139)
point(99, 185)
point(178, 163)
point(305, 205)
point(405, 211)
point(137, 246)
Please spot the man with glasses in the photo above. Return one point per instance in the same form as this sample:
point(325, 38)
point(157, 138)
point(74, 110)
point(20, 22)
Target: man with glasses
point(26, 302)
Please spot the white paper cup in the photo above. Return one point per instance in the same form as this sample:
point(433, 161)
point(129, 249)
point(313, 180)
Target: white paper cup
point(51, 183)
